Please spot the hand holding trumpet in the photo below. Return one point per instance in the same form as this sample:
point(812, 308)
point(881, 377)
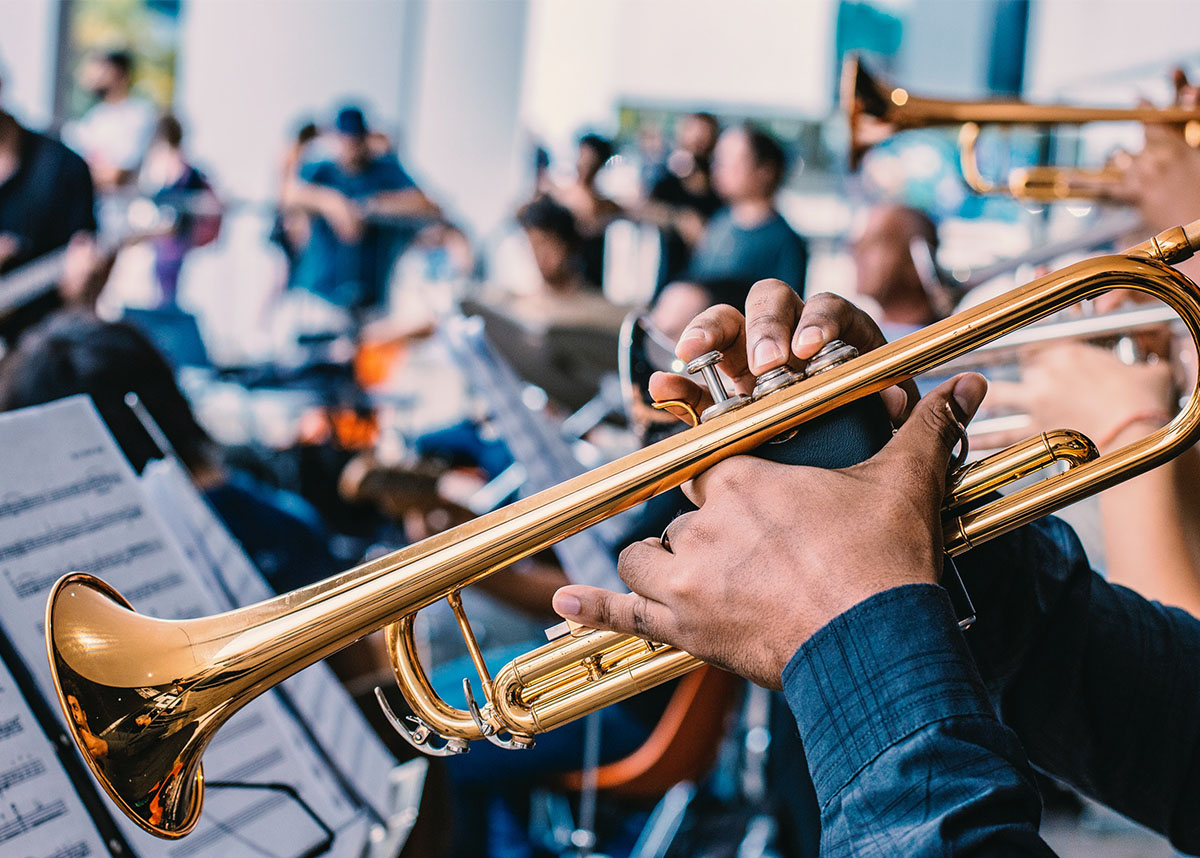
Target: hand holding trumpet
point(745, 580)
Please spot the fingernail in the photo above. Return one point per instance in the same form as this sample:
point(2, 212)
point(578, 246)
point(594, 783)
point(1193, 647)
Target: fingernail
point(808, 337)
point(566, 605)
point(693, 334)
point(766, 352)
point(968, 394)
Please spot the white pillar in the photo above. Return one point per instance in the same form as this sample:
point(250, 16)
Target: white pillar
point(28, 36)
point(465, 142)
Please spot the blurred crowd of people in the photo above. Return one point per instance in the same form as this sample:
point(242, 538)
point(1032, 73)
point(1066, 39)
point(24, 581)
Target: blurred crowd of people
point(348, 209)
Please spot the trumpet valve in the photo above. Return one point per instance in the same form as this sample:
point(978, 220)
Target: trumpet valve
point(706, 367)
point(774, 379)
point(833, 353)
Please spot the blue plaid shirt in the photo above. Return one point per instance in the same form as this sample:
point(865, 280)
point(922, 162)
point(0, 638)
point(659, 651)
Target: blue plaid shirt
point(920, 738)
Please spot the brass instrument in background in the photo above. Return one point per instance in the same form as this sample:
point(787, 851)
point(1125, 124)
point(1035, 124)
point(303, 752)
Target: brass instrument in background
point(156, 691)
point(1109, 328)
point(876, 111)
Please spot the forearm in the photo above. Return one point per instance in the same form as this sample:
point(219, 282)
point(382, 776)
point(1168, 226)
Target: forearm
point(906, 753)
point(305, 196)
point(1147, 539)
point(407, 203)
point(1102, 686)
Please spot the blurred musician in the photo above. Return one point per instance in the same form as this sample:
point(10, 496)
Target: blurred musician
point(46, 199)
point(887, 272)
point(349, 252)
point(114, 134)
point(749, 239)
point(170, 179)
point(554, 238)
point(917, 744)
point(682, 198)
point(592, 210)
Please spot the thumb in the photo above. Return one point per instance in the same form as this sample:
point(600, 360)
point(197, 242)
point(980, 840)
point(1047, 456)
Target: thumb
point(932, 431)
point(628, 613)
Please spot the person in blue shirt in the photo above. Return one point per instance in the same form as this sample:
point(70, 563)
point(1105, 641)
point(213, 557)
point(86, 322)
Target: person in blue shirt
point(749, 239)
point(365, 210)
point(920, 739)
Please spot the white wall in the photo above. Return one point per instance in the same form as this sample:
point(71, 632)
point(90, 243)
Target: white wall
point(465, 140)
point(28, 31)
point(569, 69)
point(249, 70)
point(586, 56)
point(1076, 45)
point(761, 53)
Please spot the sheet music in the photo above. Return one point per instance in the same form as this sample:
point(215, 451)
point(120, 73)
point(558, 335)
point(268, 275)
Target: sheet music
point(537, 446)
point(70, 501)
point(326, 707)
point(40, 814)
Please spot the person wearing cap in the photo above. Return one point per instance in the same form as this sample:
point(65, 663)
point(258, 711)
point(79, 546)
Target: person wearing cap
point(365, 209)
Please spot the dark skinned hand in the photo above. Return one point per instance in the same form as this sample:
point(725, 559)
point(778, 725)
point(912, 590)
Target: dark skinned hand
point(778, 328)
point(776, 551)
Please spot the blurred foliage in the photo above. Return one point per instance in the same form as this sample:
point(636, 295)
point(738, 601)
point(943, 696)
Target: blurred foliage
point(148, 29)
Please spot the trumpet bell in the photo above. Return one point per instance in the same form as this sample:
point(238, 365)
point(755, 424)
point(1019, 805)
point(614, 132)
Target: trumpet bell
point(867, 104)
point(143, 697)
point(138, 709)
point(875, 111)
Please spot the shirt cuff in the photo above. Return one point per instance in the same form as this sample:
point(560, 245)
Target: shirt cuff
point(892, 664)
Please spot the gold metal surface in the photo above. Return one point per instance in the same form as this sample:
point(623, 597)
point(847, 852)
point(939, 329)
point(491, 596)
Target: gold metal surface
point(876, 111)
point(1099, 330)
point(144, 696)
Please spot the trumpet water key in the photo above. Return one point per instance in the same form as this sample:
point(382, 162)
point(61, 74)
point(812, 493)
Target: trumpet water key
point(154, 692)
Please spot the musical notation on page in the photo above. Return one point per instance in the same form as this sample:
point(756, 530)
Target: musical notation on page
point(40, 812)
point(70, 501)
point(322, 702)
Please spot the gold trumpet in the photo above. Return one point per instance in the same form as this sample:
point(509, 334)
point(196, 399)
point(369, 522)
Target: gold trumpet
point(144, 696)
point(876, 111)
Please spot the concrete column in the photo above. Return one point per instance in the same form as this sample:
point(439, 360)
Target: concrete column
point(465, 141)
point(28, 35)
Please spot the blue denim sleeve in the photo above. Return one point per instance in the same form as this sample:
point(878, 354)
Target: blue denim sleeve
point(905, 750)
point(1101, 685)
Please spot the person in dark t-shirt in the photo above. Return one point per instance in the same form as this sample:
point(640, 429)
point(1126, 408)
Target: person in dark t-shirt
point(682, 198)
point(593, 212)
point(46, 199)
point(749, 240)
point(46, 194)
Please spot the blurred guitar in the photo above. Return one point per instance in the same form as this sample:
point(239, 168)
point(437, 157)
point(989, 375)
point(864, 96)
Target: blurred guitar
point(40, 276)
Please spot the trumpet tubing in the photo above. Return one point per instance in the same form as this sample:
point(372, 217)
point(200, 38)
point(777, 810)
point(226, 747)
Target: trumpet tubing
point(163, 688)
point(865, 99)
point(1007, 350)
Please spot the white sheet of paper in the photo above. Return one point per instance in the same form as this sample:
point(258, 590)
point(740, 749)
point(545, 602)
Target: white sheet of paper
point(70, 502)
point(40, 814)
point(230, 575)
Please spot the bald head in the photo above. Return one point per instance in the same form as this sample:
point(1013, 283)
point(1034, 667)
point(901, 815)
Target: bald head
point(883, 259)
